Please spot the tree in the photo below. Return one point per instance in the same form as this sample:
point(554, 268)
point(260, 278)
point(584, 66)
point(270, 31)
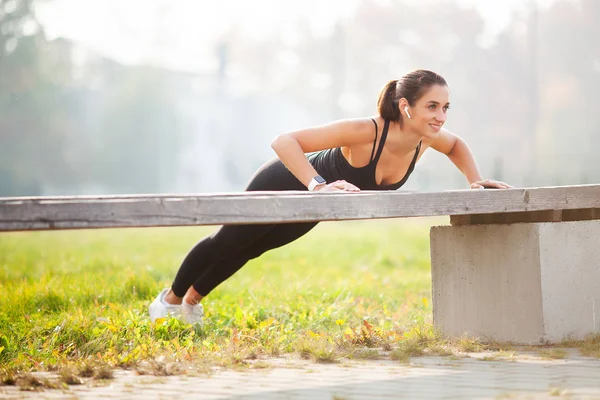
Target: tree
point(32, 130)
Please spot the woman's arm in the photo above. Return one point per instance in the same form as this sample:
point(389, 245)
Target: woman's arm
point(291, 147)
point(459, 153)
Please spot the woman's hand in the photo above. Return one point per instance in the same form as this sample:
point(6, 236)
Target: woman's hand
point(490, 184)
point(337, 186)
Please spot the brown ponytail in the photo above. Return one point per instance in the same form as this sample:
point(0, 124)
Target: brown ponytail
point(387, 105)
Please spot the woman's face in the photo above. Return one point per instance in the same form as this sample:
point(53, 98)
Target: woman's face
point(429, 112)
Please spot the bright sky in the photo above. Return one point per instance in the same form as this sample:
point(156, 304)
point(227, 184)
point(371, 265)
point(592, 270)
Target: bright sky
point(181, 34)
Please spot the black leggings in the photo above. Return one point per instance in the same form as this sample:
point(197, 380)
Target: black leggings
point(218, 256)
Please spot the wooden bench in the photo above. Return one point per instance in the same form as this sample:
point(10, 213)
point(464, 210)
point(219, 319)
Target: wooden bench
point(520, 265)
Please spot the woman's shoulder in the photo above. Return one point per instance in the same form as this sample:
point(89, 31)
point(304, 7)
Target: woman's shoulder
point(358, 121)
point(361, 125)
point(362, 130)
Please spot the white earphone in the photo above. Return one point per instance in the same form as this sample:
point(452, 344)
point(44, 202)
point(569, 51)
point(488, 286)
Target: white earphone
point(406, 110)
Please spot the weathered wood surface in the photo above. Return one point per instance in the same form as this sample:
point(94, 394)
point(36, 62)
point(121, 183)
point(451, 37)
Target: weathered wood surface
point(42, 213)
point(584, 214)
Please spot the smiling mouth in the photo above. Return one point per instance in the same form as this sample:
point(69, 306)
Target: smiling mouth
point(436, 126)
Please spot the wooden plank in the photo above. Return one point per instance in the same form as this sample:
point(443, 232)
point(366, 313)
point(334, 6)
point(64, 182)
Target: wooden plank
point(581, 214)
point(41, 213)
point(508, 218)
point(585, 214)
point(456, 220)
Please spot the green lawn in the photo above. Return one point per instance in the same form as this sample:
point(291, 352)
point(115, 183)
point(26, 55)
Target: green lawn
point(83, 295)
point(78, 299)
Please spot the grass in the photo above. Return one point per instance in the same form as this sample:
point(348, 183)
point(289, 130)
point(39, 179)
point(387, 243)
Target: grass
point(75, 302)
point(552, 354)
point(81, 296)
point(589, 346)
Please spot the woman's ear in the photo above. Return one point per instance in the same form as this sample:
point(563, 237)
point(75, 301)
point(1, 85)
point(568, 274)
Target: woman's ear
point(403, 106)
point(402, 103)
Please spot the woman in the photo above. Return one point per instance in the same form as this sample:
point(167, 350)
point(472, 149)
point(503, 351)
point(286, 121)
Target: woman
point(376, 153)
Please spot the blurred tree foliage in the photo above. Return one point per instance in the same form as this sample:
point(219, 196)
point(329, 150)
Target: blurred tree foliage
point(30, 118)
point(64, 126)
point(526, 103)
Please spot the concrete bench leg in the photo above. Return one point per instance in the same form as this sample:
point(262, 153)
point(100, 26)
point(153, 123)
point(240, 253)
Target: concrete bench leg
point(524, 283)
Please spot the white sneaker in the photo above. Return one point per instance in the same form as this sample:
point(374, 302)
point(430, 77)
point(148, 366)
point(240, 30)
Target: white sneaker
point(161, 309)
point(192, 314)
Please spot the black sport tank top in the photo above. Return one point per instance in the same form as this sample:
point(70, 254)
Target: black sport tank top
point(332, 165)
